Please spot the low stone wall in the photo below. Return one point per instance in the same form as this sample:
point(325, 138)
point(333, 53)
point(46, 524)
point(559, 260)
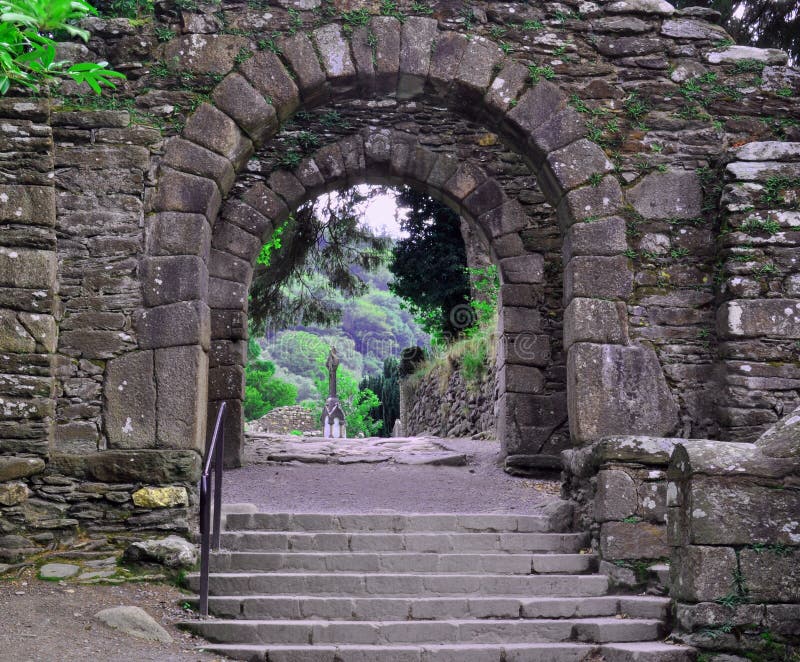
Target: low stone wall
point(733, 527)
point(619, 487)
point(284, 420)
point(444, 404)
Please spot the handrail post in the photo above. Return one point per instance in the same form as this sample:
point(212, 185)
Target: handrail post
point(215, 450)
point(218, 466)
point(205, 552)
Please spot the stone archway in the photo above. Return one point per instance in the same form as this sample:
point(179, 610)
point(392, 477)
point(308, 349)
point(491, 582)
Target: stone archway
point(613, 387)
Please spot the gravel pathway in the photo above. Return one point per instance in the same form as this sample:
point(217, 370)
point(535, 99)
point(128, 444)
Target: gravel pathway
point(479, 486)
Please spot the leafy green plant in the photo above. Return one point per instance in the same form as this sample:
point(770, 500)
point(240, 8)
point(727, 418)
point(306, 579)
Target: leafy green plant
point(274, 244)
point(635, 107)
point(163, 33)
point(421, 8)
point(753, 224)
point(532, 25)
point(595, 179)
point(749, 66)
point(28, 54)
point(243, 55)
point(784, 92)
point(537, 72)
point(263, 391)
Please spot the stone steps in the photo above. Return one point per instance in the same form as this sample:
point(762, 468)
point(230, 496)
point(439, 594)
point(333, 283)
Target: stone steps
point(527, 652)
point(416, 584)
point(515, 564)
point(425, 588)
point(379, 633)
point(438, 543)
point(416, 608)
point(417, 522)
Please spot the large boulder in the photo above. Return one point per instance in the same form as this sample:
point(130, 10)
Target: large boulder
point(135, 622)
point(172, 552)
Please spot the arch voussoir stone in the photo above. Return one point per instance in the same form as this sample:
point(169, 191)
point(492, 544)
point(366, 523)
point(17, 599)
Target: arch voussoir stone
point(573, 165)
point(299, 53)
point(209, 127)
point(448, 50)
point(476, 69)
point(506, 87)
point(288, 187)
point(417, 37)
point(175, 233)
point(249, 109)
point(385, 31)
point(590, 202)
point(266, 73)
point(267, 203)
point(334, 53)
point(182, 192)
point(191, 158)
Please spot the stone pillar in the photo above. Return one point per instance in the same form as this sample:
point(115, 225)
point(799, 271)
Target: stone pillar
point(758, 321)
point(619, 485)
point(28, 310)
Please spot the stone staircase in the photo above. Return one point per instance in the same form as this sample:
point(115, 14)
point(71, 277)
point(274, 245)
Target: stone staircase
point(421, 588)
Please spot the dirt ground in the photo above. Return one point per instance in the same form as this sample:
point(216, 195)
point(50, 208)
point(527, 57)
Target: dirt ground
point(53, 622)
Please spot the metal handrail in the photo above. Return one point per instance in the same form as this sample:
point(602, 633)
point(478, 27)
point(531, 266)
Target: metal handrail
point(209, 538)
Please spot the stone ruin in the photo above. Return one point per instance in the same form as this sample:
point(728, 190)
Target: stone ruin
point(634, 175)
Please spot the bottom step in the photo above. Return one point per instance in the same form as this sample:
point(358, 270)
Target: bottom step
point(637, 652)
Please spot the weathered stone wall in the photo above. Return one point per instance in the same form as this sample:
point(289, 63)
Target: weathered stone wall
point(619, 486)
point(735, 537)
point(576, 137)
point(444, 404)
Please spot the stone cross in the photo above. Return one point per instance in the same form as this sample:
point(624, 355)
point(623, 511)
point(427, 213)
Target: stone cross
point(333, 366)
point(333, 420)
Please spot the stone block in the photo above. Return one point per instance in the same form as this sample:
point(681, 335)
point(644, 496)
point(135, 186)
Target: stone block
point(153, 467)
point(239, 100)
point(715, 515)
point(28, 205)
point(267, 203)
point(129, 401)
point(463, 181)
point(160, 497)
point(223, 293)
point(234, 240)
point(330, 162)
point(12, 468)
point(509, 245)
point(182, 384)
point(183, 323)
point(363, 60)
point(447, 51)
point(13, 493)
point(377, 146)
point(639, 450)
point(705, 614)
point(598, 277)
point(519, 320)
point(225, 265)
point(234, 431)
point(506, 86)
point(334, 53)
point(227, 352)
point(687, 28)
point(299, 52)
point(783, 438)
point(288, 187)
point(595, 320)
point(783, 620)
point(173, 233)
point(204, 53)
point(615, 390)
point(602, 237)
point(246, 217)
point(352, 149)
point(189, 157)
point(615, 496)
point(179, 191)
point(640, 540)
point(417, 35)
point(229, 324)
point(734, 54)
point(266, 73)
point(702, 574)
point(524, 349)
point(386, 31)
point(27, 268)
point(214, 130)
point(477, 68)
point(173, 278)
point(655, 7)
point(506, 219)
point(653, 501)
point(535, 107)
point(591, 202)
point(769, 150)
point(562, 129)
point(513, 378)
point(573, 165)
point(226, 383)
point(523, 269)
point(13, 335)
point(754, 318)
point(484, 198)
point(665, 195)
